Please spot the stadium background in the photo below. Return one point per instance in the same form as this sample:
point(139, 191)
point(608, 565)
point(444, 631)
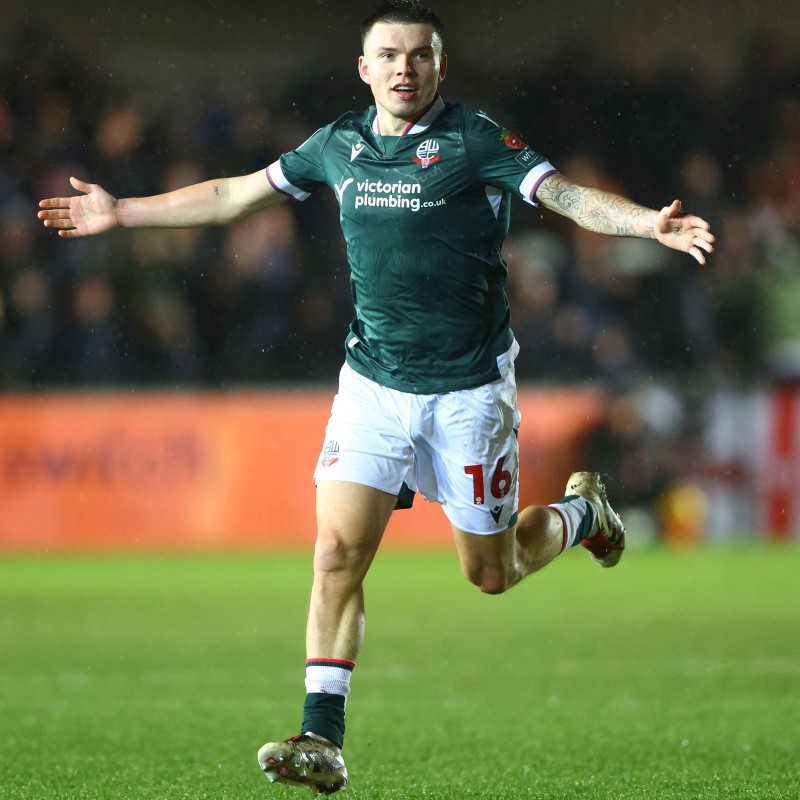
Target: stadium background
point(150, 378)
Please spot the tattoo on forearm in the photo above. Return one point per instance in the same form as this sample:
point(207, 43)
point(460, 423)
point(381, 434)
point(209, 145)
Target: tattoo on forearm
point(216, 190)
point(596, 210)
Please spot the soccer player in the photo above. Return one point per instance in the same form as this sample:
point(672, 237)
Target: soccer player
point(427, 396)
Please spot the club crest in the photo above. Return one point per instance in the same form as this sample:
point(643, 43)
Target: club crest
point(330, 455)
point(427, 153)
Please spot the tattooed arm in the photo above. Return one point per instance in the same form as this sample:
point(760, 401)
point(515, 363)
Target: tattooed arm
point(604, 212)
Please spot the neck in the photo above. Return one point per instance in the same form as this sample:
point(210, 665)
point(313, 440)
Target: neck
point(389, 125)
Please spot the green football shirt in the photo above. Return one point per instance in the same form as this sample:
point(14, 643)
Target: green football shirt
point(424, 216)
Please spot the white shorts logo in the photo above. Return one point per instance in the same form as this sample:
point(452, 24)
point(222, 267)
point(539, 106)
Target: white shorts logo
point(330, 455)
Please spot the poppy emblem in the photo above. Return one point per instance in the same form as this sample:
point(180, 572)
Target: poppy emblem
point(514, 142)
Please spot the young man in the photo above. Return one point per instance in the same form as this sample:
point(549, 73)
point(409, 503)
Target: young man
point(427, 398)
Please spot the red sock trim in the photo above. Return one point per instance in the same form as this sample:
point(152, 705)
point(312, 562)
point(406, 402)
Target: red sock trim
point(331, 662)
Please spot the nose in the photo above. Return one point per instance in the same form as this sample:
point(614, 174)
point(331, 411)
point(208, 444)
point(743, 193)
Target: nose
point(404, 66)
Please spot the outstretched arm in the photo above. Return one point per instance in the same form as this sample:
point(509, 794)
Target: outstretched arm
point(604, 212)
point(216, 202)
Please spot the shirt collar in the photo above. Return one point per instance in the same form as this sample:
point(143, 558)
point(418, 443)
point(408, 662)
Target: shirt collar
point(422, 123)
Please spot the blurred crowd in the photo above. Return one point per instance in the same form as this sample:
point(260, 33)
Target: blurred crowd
point(267, 300)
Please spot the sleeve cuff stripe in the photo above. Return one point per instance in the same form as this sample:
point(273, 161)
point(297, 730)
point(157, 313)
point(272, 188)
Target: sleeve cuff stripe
point(530, 183)
point(278, 181)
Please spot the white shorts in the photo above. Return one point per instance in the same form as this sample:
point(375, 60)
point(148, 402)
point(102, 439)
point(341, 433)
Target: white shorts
point(458, 449)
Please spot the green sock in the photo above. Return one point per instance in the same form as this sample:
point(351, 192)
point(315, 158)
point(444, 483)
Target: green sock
point(587, 523)
point(323, 714)
point(587, 520)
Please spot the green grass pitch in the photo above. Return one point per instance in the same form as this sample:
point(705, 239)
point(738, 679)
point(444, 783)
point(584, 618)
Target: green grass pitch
point(676, 675)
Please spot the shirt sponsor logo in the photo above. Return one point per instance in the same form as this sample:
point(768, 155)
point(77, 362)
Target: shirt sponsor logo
point(385, 194)
point(427, 153)
point(340, 189)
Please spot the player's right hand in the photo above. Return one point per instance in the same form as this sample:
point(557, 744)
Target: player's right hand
point(92, 212)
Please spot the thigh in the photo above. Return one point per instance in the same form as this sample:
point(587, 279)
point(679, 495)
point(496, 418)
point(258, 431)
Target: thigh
point(475, 458)
point(366, 439)
point(351, 519)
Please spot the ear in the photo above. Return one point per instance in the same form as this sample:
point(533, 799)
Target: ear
point(363, 69)
point(442, 67)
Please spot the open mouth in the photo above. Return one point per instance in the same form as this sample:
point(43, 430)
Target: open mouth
point(404, 90)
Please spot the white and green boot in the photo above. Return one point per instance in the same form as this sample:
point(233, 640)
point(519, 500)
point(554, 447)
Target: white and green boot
point(607, 545)
point(305, 760)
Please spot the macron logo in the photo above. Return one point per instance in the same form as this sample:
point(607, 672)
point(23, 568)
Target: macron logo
point(355, 150)
point(340, 189)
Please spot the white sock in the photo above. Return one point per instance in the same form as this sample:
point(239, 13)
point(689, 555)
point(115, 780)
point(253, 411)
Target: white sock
point(577, 526)
point(328, 676)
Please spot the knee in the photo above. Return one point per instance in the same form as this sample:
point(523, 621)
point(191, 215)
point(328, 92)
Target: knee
point(489, 579)
point(337, 556)
point(332, 553)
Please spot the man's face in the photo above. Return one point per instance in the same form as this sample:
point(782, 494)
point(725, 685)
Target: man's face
point(403, 65)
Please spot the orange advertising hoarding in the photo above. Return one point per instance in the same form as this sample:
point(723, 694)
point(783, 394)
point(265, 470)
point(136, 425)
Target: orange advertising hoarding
point(199, 471)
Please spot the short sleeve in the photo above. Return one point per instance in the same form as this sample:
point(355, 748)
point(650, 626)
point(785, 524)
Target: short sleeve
point(298, 172)
point(501, 159)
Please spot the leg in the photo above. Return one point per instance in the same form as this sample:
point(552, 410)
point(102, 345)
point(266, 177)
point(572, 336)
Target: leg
point(498, 561)
point(351, 520)
point(366, 445)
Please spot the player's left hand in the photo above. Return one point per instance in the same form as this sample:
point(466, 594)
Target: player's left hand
point(684, 232)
